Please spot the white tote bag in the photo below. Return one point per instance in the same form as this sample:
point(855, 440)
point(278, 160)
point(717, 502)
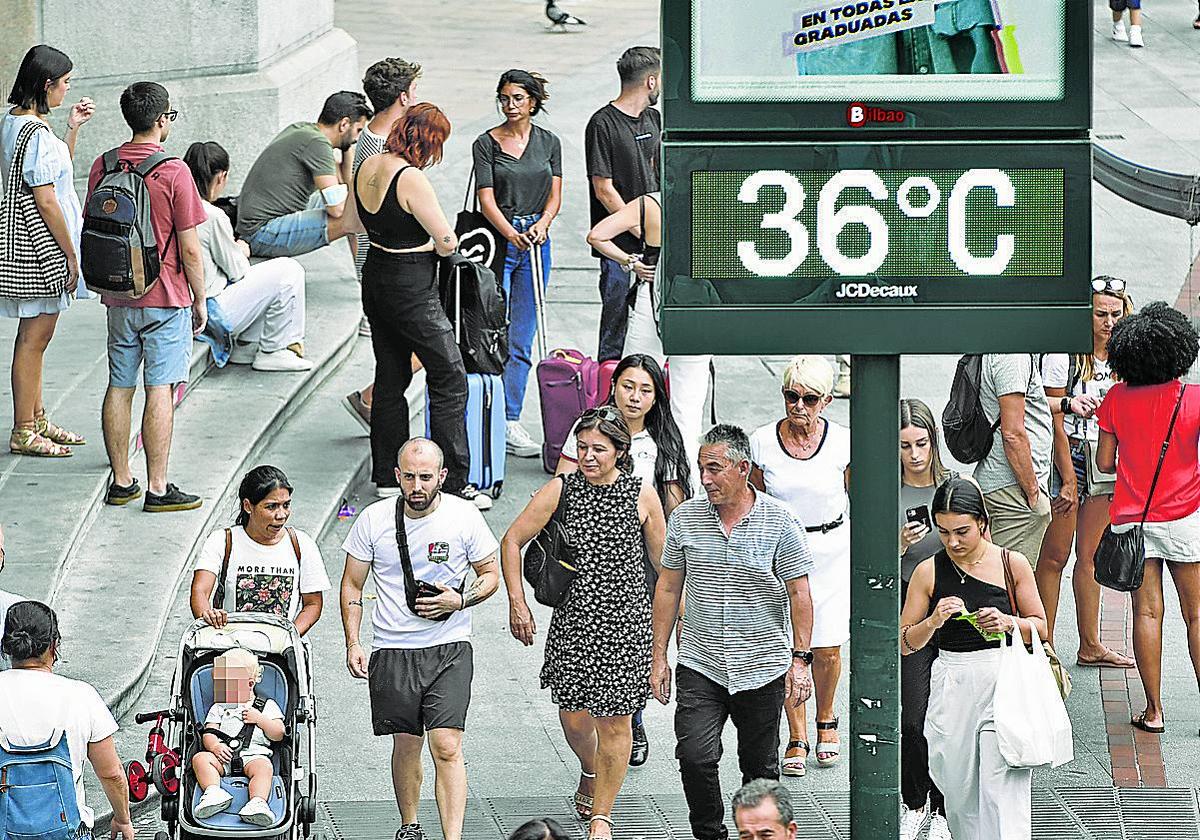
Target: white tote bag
point(1031, 720)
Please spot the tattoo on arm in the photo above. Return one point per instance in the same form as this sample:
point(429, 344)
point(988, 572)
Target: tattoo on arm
point(446, 240)
point(472, 596)
point(355, 603)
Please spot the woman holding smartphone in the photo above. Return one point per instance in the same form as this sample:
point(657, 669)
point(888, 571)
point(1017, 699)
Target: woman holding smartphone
point(921, 471)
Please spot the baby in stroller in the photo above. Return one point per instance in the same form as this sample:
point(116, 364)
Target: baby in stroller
point(237, 737)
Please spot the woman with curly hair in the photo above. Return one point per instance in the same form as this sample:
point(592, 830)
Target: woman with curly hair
point(1149, 352)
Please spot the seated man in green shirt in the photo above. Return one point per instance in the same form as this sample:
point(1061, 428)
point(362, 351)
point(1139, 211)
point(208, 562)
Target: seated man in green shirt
point(294, 195)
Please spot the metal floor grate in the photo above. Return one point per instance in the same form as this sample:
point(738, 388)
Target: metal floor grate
point(1062, 814)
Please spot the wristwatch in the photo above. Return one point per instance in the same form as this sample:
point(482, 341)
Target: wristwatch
point(1065, 405)
point(805, 656)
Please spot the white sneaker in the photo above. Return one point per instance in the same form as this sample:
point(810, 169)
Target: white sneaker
point(215, 800)
point(243, 354)
point(1135, 37)
point(284, 360)
point(520, 443)
point(1118, 32)
point(939, 829)
point(911, 823)
point(475, 496)
point(256, 812)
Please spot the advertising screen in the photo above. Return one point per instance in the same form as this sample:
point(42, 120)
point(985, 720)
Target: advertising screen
point(879, 64)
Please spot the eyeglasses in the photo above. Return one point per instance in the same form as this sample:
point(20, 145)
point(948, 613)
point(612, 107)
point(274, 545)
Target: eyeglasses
point(1108, 284)
point(171, 115)
point(809, 400)
point(515, 99)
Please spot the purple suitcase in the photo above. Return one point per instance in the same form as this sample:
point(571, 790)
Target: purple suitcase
point(568, 385)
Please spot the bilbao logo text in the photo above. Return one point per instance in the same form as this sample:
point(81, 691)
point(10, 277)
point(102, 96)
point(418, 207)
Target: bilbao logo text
point(858, 115)
point(866, 290)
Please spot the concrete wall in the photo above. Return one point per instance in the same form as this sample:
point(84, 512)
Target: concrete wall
point(237, 70)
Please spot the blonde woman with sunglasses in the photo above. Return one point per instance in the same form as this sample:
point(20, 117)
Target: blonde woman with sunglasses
point(804, 461)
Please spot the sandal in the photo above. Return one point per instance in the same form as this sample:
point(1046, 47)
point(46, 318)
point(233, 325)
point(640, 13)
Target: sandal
point(25, 440)
point(583, 801)
point(56, 433)
point(831, 750)
point(794, 765)
point(602, 818)
point(1109, 659)
point(1139, 722)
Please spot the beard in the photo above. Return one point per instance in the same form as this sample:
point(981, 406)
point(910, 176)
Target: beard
point(422, 504)
point(654, 97)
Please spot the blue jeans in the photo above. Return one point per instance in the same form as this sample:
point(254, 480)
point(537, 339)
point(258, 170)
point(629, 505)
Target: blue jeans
point(522, 316)
point(294, 234)
point(614, 309)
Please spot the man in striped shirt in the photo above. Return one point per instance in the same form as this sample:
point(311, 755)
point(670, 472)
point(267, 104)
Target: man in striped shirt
point(390, 84)
point(742, 559)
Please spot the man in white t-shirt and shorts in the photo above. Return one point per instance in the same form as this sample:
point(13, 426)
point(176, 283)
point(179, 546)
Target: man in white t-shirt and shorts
point(420, 667)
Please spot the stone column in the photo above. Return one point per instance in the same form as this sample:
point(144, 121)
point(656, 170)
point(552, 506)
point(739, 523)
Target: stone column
point(237, 70)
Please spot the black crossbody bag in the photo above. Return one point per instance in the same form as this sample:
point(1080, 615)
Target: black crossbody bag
point(414, 588)
point(1121, 558)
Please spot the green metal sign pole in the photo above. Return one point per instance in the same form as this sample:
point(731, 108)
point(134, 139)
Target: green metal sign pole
point(875, 598)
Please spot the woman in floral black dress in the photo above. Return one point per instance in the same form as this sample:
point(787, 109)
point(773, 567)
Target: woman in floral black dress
point(598, 648)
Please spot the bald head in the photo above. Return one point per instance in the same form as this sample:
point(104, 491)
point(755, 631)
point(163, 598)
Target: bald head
point(421, 473)
point(418, 450)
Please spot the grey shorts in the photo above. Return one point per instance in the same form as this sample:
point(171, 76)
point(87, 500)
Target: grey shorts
point(413, 691)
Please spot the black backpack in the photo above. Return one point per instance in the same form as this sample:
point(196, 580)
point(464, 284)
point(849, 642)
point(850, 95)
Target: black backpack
point(475, 304)
point(968, 433)
point(118, 254)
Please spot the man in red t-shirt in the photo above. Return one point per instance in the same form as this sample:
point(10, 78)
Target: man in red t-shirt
point(154, 332)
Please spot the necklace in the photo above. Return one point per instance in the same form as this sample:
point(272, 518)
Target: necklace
point(962, 575)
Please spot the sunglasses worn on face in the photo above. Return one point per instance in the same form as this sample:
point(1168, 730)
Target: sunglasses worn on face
point(1112, 284)
point(809, 400)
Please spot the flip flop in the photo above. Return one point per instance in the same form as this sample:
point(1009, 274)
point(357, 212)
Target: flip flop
point(1139, 722)
point(1109, 659)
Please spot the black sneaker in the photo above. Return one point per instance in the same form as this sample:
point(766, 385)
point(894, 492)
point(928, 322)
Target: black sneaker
point(412, 831)
point(641, 746)
point(174, 499)
point(118, 495)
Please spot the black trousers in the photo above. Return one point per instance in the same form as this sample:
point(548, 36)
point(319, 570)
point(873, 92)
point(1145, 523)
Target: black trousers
point(400, 299)
point(915, 784)
point(701, 709)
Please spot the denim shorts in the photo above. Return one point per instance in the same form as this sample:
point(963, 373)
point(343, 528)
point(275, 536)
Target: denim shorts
point(161, 337)
point(1078, 461)
point(291, 235)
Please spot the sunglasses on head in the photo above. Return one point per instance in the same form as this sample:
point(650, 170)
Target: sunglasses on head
point(1108, 284)
point(809, 400)
point(604, 412)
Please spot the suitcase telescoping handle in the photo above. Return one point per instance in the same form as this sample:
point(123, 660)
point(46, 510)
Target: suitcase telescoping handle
point(539, 298)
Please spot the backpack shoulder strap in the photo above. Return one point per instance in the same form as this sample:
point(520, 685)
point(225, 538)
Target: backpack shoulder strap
point(111, 160)
point(151, 163)
point(218, 595)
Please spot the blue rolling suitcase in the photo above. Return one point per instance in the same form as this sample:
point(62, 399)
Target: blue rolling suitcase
point(485, 431)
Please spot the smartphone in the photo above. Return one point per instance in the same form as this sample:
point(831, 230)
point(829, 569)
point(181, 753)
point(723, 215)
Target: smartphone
point(427, 590)
point(919, 514)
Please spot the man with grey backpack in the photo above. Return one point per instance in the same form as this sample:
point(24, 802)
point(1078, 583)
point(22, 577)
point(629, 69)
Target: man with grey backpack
point(140, 250)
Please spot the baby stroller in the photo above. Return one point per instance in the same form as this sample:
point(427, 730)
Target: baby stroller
point(286, 679)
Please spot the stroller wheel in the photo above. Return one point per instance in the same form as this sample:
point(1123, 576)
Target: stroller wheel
point(162, 835)
point(139, 780)
point(164, 773)
point(170, 812)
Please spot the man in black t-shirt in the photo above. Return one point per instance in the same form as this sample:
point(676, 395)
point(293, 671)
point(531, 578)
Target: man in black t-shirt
point(622, 142)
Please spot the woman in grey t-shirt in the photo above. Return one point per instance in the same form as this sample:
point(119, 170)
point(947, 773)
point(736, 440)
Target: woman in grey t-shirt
point(921, 471)
point(518, 174)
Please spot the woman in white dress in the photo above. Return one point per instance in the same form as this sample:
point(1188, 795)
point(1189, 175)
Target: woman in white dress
point(48, 173)
point(804, 461)
point(261, 304)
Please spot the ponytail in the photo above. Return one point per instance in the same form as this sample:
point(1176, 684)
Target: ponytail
point(205, 159)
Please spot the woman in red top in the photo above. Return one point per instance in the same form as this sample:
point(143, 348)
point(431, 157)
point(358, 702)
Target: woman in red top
point(1150, 351)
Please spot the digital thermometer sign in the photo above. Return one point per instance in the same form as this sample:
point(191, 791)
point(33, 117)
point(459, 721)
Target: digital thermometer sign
point(930, 229)
point(895, 224)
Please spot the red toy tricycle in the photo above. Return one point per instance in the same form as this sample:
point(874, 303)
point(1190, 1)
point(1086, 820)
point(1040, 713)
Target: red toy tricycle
point(162, 762)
